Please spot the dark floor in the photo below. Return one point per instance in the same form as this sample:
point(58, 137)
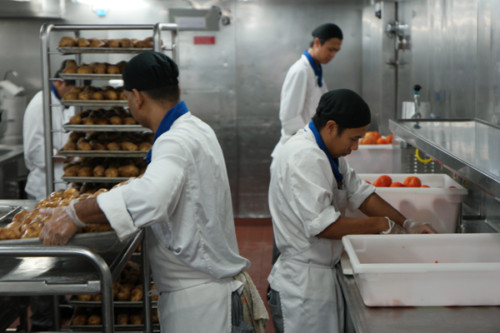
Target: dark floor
point(255, 240)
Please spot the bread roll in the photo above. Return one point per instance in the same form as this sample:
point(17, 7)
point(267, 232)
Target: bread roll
point(67, 41)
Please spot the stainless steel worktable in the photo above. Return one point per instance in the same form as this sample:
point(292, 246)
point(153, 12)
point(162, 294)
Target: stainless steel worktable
point(477, 319)
point(35, 269)
point(468, 147)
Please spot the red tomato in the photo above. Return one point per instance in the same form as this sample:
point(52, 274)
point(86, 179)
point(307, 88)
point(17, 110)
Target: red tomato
point(389, 138)
point(382, 141)
point(412, 181)
point(397, 184)
point(383, 181)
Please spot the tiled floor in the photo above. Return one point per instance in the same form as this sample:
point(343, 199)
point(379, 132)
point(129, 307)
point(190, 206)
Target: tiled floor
point(255, 240)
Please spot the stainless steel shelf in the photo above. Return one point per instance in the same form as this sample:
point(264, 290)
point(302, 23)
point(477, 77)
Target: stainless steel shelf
point(104, 153)
point(94, 102)
point(468, 147)
point(106, 128)
point(79, 50)
point(95, 179)
point(74, 76)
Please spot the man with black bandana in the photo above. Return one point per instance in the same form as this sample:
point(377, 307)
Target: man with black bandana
point(182, 201)
point(304, 84)
point(311, 185)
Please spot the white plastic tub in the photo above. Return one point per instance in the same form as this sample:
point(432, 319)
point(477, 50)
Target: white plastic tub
point(426, 270)
point(438, 205)
point(376, 158)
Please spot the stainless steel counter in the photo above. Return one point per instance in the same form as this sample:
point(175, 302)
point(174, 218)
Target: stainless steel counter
point(8, 152)
point(468, 147)
point(477, 319)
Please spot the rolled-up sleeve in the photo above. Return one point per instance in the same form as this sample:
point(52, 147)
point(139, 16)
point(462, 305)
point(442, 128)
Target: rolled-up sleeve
point(151, 198)
point(357, 189)
point(114, 207)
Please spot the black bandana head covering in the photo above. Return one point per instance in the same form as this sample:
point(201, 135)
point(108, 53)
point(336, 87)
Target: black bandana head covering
point(327, 31)
point(343, 106)
point(150, 70)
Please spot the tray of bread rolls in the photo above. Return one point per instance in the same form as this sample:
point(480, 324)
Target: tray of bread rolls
point(71, 45)
point(23, 227)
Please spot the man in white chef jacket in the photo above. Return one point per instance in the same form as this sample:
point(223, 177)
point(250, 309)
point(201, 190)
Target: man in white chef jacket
point(311, 185)
point(304, 84)
point(182, 201)
point(34, 137)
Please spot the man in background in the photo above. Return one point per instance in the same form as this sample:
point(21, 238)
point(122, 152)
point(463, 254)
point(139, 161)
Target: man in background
point(34, 137)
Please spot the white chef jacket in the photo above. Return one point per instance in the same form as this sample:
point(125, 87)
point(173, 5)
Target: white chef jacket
point(34, 143)
point(184, 202)
point(304, 200)
point(300, 95)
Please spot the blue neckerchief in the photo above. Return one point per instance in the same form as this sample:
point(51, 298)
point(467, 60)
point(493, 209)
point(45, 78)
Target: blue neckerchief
point(316, 67)
point(334, 162)
point(54, 90)
point(178, 110)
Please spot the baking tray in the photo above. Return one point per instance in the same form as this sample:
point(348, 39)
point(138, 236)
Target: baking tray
point(121, 304)
point(94, 102)
point(8, 212)
point(103, 153)
point(90, 76)
point(95, 179)
point(106, 128)
point(98, 242)
point(73, 50)
point(99, 328)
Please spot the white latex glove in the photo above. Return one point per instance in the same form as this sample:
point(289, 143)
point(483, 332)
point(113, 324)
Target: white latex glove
point(394, 228)
point(414, 227)
point(61, 225)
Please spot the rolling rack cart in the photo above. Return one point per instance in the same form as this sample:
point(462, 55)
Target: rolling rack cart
point(90, 262)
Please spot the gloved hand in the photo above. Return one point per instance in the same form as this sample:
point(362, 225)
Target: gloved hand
point(394, 228)
point(414, 227)
point(62, 224)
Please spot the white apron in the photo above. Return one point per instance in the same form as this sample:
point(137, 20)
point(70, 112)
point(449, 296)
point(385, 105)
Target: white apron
point(190, 301)
point(311, 298)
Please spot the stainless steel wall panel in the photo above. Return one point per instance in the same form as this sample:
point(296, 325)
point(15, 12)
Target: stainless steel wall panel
point(270, 37)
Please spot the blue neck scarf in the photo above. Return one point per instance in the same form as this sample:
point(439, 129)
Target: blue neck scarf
point(316, 67)
point(334, 162)
point(54, 90)
point(178, 110)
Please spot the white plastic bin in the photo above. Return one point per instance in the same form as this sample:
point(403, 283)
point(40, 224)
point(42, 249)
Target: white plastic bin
point(438, 205)
point(376, 158)
point(426, 270)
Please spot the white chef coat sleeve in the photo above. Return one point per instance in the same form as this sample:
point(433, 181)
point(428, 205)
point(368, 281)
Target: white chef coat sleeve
point(310, 185)
point(293, 96)
point(153, 197)
point(33, 135)
point(114, 207)
point(357, 189)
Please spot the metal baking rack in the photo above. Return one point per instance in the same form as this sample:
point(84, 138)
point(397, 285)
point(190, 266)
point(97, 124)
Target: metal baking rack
point(28, 270)
point(98, 274)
